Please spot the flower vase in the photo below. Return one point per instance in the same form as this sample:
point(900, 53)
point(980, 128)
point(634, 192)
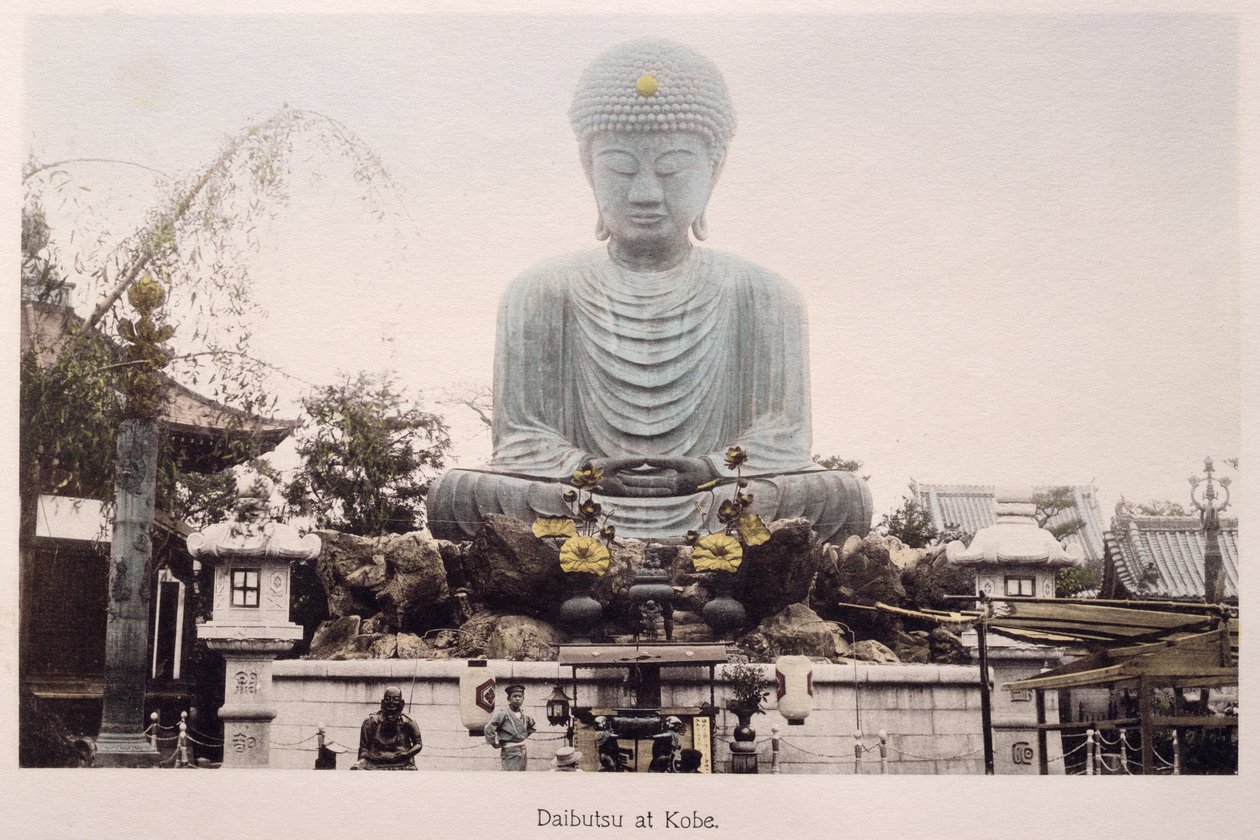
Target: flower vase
point(723, 613)
point(580, 614)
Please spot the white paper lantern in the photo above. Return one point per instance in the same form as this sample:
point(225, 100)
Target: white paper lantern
point(795, 678)
point(476, 696)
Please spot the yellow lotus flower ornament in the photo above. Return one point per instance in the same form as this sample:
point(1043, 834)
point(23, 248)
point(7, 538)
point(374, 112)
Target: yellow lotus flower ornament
point(752, 530)
point(554, 526)
point(584, 554)
point(717, 552)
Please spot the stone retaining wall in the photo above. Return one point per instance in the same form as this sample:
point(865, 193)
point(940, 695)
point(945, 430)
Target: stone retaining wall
point(930, 712)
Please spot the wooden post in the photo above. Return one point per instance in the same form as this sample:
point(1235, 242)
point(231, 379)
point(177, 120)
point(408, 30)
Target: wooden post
point(1146, 713)
point(1043, 760)
point(1124, 748)
point(774, 749)
point(883, 752)
point(122, 742)
point(857, 753)
point(986, 711)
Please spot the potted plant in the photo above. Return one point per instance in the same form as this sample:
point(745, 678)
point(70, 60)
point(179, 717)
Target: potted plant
point(747, 692)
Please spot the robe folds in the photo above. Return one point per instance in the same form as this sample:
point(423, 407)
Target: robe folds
point(593, 360)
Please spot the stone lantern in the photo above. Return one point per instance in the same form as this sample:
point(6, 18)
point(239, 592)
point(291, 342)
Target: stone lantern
point(250, 623)
point(1014, 557)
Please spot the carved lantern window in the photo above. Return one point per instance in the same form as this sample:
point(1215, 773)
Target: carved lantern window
point(245, 587)
point(1021, 585)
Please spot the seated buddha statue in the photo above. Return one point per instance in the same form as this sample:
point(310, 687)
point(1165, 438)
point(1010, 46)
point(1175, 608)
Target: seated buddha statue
point(649, 357)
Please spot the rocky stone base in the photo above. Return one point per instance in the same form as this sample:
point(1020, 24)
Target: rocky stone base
point(498, 596)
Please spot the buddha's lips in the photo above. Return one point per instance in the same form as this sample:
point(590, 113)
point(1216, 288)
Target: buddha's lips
point(646, 218)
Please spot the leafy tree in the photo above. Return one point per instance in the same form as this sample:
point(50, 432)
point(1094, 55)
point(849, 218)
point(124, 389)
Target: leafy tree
point(194, 239)
point(910, 522)
point(368, 455)
point(1050, 503)
point(474, 396)
point(835, 462)
point(1075, 580)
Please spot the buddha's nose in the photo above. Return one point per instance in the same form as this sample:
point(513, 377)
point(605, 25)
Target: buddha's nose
point(646, 188)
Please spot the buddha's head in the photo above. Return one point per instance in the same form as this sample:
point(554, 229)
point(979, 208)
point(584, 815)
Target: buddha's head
point(653, 120)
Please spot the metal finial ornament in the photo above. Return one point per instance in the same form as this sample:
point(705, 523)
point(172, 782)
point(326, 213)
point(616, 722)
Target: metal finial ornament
point(1210, 505)
point(646, 86)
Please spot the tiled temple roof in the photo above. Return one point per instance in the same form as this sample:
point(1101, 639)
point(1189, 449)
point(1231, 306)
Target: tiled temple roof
point(1162, 557)
point(970, 506)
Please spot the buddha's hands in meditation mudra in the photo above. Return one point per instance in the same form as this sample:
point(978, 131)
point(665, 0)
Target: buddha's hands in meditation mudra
point(638, 476)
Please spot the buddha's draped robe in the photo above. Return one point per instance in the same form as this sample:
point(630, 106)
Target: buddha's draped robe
point(593, 360)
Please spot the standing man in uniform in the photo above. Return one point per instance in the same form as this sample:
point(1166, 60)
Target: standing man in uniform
point(508, 728)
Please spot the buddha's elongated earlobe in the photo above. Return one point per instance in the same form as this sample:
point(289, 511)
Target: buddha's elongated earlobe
point(700, 228)
point(601, 230)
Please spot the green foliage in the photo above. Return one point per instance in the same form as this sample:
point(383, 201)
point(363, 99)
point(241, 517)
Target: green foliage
point(747, 687)
point(910, 522)
point(1052, 502)
point(68, 421)
point(368, 456)
point(835, 462)
point(1074, 580)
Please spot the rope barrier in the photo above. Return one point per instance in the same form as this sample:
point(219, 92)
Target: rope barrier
point(202, 743)
point(1062, 757)
point(310, 737)
point(937, 758)
point(207, 737)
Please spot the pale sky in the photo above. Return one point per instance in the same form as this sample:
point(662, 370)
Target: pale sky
point(1017, 236)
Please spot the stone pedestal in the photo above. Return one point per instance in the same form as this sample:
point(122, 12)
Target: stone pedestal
point(248, 709)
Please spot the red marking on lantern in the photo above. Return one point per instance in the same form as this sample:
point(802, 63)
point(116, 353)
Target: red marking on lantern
point(781, 683)
point(485, 695)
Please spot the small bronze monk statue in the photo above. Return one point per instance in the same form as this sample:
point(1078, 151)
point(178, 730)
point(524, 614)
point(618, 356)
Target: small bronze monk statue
point(389, 739)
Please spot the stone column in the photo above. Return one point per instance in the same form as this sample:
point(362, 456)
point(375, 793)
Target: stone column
point(122, 741)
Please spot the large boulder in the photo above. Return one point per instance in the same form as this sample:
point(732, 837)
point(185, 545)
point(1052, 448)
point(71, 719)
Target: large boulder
point(795, 630)
point(350, 573)
point(934, 578)
point(494, 634)
point(910, 647)
point(780, 571)
point(398, 581)
point(946, 648)
point(862, 573)
point(908, 559)
point(871, 650)
point(335, 636)
point(523, 638)
point(511, 569)
point(415, 593)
